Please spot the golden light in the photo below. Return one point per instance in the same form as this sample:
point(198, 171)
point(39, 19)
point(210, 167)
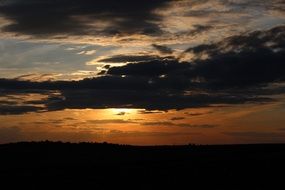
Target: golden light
point(122, 111)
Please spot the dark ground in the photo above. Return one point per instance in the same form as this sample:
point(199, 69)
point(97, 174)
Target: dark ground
point(47, 165)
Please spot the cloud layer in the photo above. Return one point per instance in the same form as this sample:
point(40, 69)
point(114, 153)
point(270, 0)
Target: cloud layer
point(236, 70)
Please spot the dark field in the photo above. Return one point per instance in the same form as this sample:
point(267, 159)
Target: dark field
point(105, 166)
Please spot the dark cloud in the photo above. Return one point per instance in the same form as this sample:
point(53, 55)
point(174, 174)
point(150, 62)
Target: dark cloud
point(36, 77)
point(16, 109)
point(201, 28)
point(155, 68)
point(150, 100)
point(162, 49)
point(141, 99)
point(241, 61)
point(41, 17)
point(14, 102)
point(245, 60)
point(128, 58)
point(231, 7)
point(238, 70)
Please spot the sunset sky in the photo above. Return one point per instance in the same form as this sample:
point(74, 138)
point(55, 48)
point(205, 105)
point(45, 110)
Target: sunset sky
point(143, 72)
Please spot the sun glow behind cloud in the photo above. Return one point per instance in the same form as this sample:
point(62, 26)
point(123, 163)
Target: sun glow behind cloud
point(207, 125)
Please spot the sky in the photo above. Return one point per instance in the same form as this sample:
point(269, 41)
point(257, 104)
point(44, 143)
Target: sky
point(142, 72)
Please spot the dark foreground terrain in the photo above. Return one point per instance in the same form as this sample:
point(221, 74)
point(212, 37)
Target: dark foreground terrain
point(47, 165)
